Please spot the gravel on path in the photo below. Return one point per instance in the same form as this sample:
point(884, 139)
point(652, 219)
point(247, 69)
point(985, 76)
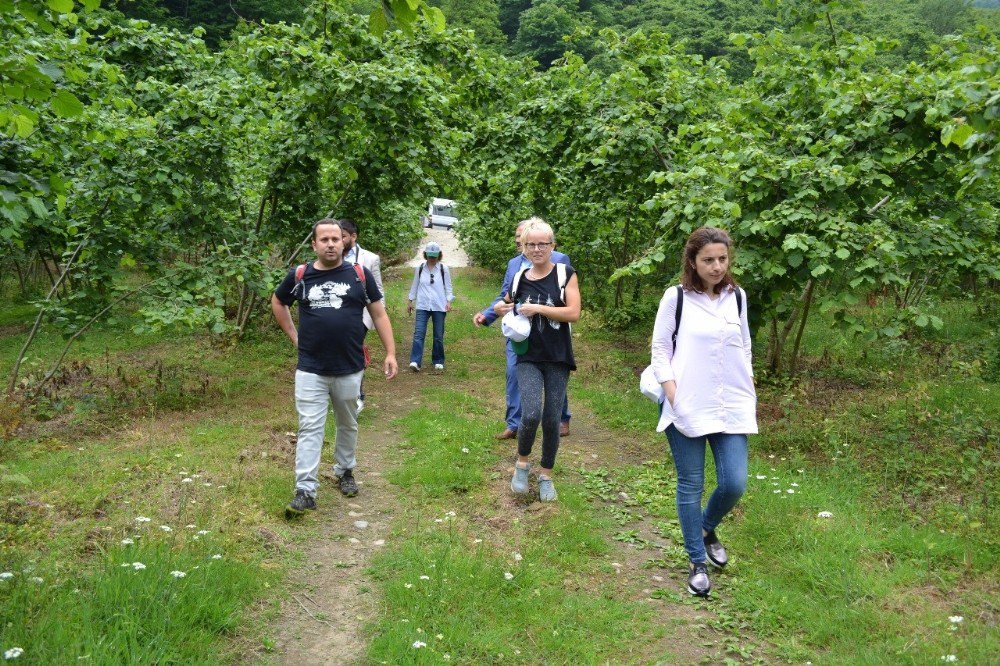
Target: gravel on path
point(454, 255)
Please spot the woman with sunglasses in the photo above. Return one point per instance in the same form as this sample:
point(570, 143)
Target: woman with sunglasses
point(701, 358)
point(431, 289)
point(550, 298)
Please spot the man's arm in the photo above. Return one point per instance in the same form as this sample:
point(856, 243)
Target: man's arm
point(284, 317)
point(488, 316)
point(384, 328)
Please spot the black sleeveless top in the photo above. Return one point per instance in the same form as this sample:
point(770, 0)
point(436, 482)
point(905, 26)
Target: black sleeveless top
point(550, 340)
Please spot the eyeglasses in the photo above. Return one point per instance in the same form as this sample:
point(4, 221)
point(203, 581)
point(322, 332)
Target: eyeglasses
point(538, 246)
point(432, 278)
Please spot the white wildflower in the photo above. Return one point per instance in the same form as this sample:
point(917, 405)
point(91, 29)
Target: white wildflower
point(216, 557)
point(6, 575)
point(517, 557)
point(127, 542)
point(143, 519)
point(440, 637)
point(419, 644)
point(178, 574)
point(202, 532)
point(824, 514)
point(13, 653)
point(949, 658)
point(761, 476)
point(187, 479)
point(166, 528)
point(138, 566)
point(190, 527)
point(795, 485)
point(508, 575)
point(207, 485)
point(776, 491)
point(37, 580)
point(177, 455)
point(790, 491)
point(425, 578)
point(446, 656)
point(465, 449)
point(438, 520)
point(451, 514)
point(408, 585)
point(955, 619)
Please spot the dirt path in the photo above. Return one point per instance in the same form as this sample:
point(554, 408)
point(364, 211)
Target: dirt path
point(454, 255)
point(332, 600)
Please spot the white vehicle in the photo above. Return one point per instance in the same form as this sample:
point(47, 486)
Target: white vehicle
point(441, 213)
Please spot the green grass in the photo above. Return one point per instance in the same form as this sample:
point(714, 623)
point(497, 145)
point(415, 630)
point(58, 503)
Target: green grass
point(898, 440)
point(479, 594)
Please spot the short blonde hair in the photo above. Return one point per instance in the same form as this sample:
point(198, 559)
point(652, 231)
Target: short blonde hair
point(536, 224)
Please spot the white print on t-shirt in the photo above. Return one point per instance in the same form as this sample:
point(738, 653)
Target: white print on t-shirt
point(541, 319)
point(328, 295)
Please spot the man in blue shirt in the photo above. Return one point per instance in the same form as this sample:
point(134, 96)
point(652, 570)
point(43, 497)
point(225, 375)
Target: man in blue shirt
point(488, 316)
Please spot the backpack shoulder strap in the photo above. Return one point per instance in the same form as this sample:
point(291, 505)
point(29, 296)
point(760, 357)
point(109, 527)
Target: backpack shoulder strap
point(299, 288)
point(561, 278)
point(420, 271)
point(677, 315)
point(359, 270)
point(517, 281)
point(739, 302)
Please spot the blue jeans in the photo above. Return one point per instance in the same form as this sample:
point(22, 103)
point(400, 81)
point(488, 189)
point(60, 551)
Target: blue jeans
point(420, 332)
point(730, 453)
point(513, 415)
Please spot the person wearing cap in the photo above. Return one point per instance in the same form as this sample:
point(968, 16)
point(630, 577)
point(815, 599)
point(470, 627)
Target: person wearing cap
point(512, 418)
point(432, 293)
point(549, 298)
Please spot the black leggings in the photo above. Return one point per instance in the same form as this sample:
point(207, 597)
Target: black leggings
point(532, 379)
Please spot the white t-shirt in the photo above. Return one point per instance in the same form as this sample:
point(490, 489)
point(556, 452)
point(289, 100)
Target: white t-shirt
point(715, 391)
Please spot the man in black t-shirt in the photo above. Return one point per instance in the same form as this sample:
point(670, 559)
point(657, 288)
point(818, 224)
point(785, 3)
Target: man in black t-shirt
point(330, 340)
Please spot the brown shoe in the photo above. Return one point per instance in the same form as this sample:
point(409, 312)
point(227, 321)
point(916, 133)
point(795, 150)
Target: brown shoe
point(564, 429)
point(506, 434)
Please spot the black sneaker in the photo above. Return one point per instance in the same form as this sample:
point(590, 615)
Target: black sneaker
point(301, 503)
point(348, 485)
point(715, 551)
point(698, 583)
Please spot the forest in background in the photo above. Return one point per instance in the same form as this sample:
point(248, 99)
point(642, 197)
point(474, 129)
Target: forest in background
point(149, 176)
point(545, 29)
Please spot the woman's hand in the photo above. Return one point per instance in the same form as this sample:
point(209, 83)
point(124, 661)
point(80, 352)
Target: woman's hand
point(670, 390)
point(409, 308)
point(530, 309)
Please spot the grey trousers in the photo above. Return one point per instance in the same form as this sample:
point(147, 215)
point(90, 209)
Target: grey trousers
point(314, 395)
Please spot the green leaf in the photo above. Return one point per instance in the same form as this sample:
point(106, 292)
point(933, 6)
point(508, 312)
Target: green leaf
point(66, 104)
point(377, 23)
point(961, 135)
point(436, 18)
point(91, 5)
point(843, 253)
point(61, 6)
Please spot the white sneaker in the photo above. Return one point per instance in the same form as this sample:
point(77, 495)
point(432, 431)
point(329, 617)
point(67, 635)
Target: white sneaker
point(414, 367)
point(361, 405)
point(439, 366)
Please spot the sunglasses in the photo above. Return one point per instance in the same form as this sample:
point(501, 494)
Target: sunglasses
point(432, 278)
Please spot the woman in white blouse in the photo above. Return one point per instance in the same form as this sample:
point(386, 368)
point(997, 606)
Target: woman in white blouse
point(432, 292)
point(702, 360)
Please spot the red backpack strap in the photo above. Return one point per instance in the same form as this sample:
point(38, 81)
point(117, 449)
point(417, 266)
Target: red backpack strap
point(300, 270)
point(360, 271)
